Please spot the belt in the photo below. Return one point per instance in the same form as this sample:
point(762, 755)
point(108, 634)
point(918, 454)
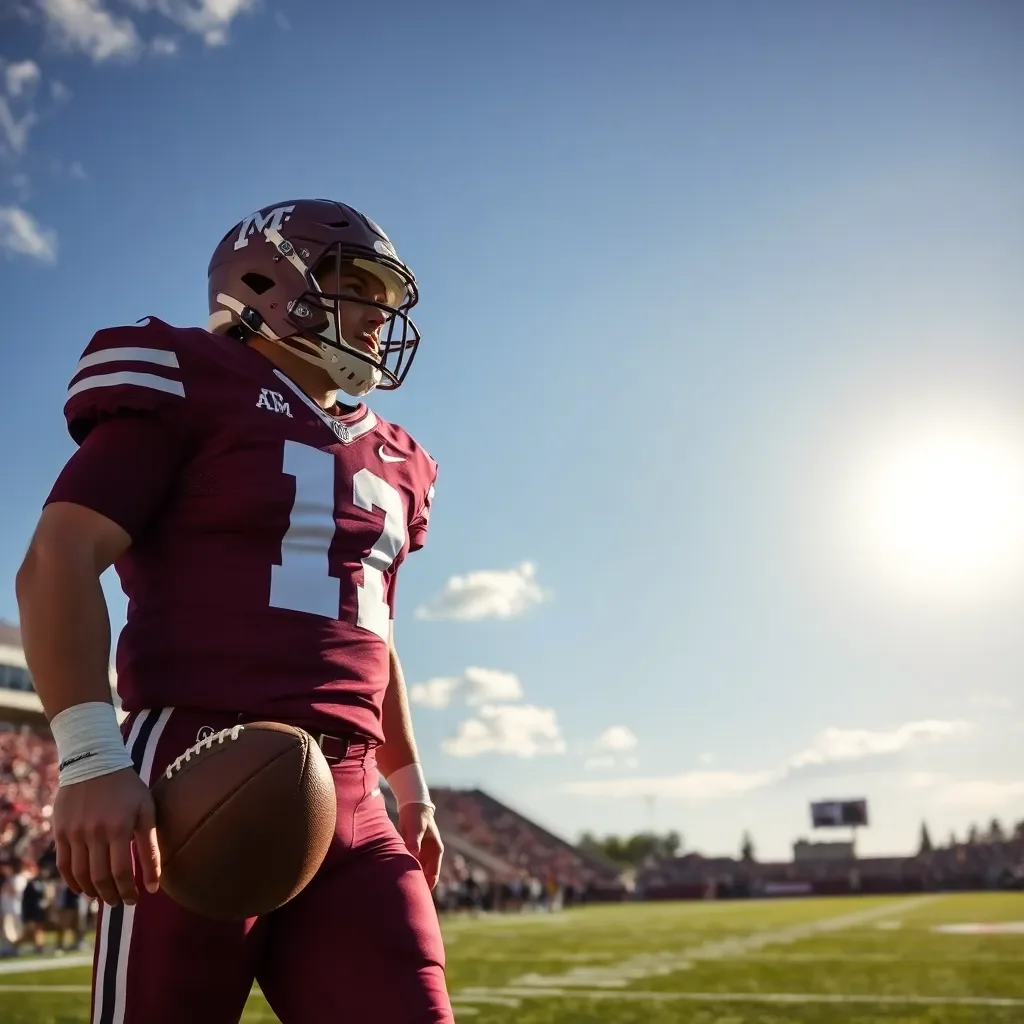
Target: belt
point(337, 748)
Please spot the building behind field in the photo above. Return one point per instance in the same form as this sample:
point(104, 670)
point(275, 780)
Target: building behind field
point(19, 704)
point(805, 851)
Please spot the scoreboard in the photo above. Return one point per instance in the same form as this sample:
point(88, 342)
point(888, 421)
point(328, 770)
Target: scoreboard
point(839, 813)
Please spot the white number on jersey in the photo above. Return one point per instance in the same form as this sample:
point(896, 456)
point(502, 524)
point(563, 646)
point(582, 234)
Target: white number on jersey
point(302, 582)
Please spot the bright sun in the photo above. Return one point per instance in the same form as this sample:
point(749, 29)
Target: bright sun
point(939, 509)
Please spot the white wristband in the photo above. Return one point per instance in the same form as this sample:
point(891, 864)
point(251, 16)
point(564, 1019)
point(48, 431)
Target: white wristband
point(409, 786)
point(89, 742)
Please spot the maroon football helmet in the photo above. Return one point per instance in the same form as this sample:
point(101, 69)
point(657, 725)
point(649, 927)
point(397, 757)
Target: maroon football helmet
point(261, 281)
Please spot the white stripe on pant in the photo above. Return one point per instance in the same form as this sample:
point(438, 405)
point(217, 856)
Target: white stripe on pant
point(111, 977)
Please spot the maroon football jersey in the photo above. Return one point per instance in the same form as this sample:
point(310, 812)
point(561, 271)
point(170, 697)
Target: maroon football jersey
point(265, 585)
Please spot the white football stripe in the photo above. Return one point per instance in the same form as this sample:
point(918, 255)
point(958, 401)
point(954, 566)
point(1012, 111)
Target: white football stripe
point(160, 356)
point(146, 769)
point(101, 963)
point(124, 951)
point(142, 380)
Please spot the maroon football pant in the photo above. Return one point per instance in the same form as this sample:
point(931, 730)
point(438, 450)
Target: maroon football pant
point(360, 943)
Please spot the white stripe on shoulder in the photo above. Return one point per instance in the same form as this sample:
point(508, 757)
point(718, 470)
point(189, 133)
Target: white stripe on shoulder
point(160, 356)
point(141, 380)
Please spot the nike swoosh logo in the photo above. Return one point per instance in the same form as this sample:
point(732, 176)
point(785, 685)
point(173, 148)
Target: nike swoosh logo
point(384, 457)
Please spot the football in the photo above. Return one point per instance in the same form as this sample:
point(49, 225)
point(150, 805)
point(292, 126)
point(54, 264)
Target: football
point(244, 820)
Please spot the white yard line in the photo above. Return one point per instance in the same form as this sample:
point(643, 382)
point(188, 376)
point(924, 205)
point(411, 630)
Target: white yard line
point(513, 996)
point(50, 964)
point(44, 988)
point(650, 965)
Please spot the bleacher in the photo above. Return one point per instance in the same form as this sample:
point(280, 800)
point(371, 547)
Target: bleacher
point(523, 848)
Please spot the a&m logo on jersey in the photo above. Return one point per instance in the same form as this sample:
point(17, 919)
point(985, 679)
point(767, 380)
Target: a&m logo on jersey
point(257, 222)
point(273, 401)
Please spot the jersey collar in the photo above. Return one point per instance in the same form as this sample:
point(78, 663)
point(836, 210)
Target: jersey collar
point(346, 433)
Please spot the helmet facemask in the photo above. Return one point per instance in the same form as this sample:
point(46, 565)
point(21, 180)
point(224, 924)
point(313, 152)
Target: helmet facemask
point(318, 317)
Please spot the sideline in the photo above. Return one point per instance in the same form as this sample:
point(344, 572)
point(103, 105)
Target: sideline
point(513, 997)
point(50, 963)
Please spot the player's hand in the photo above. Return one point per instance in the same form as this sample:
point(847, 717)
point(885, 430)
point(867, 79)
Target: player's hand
point(417, 827)
point(94, 823)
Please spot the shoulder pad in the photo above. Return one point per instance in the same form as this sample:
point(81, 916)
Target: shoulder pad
point(139, 368)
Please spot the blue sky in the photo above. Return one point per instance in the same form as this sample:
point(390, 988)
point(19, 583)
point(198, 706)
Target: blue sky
point(722, 365)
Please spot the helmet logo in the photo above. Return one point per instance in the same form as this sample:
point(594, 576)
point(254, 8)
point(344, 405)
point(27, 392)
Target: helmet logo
point(299, 309)
point(257, 222)
point(385, 248)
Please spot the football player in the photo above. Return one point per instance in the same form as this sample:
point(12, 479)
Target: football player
point(257, 525)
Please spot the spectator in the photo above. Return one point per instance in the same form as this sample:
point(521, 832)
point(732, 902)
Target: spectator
point(17, 884)
point(33, 906)
point(71, 914)
point(10, 932)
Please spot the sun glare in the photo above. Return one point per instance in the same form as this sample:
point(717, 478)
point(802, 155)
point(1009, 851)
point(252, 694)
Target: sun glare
point(939, 510)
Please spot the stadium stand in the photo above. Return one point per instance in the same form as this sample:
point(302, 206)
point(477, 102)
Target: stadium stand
point(502, 860)
point(28, 758)
point(497, 859)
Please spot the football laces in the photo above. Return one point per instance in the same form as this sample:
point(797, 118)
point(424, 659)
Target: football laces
point(197, 748)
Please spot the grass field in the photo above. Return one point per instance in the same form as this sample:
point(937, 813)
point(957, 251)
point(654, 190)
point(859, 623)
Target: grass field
point(817, 961)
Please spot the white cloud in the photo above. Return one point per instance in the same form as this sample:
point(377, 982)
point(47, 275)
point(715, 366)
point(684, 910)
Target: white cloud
point(210, 19)
point(87, 26)
point(600, 761)
point(479, 685)
point(616, 739)
point(282, 21)
point(705, 759)
point(21, 234)
point(59, 92)
point(435, 693)
point(519, 730)
point(982, 795)
point(834, 745)
point(829, 746)
point(487, 685)
point(13, 130)
point(690, 787)
point(164, 46)
point(916, 781)
point(486, 594)
point(21, 76)
point(611, 745)
point(990, 702)
point(76, 170)
point(18, 83)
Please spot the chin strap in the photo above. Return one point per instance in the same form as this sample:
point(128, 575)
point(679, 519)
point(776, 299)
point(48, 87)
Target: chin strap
point(238, 313)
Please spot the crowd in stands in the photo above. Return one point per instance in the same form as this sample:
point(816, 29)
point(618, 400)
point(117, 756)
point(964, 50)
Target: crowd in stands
point(28, 785)
point(500, 860)
point(33, 898)
point(467, 886)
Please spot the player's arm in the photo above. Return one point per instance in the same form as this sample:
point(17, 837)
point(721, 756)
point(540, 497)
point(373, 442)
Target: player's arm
point(399, 763)
point(65, 625)
point(108, 491)
point(399, 748)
